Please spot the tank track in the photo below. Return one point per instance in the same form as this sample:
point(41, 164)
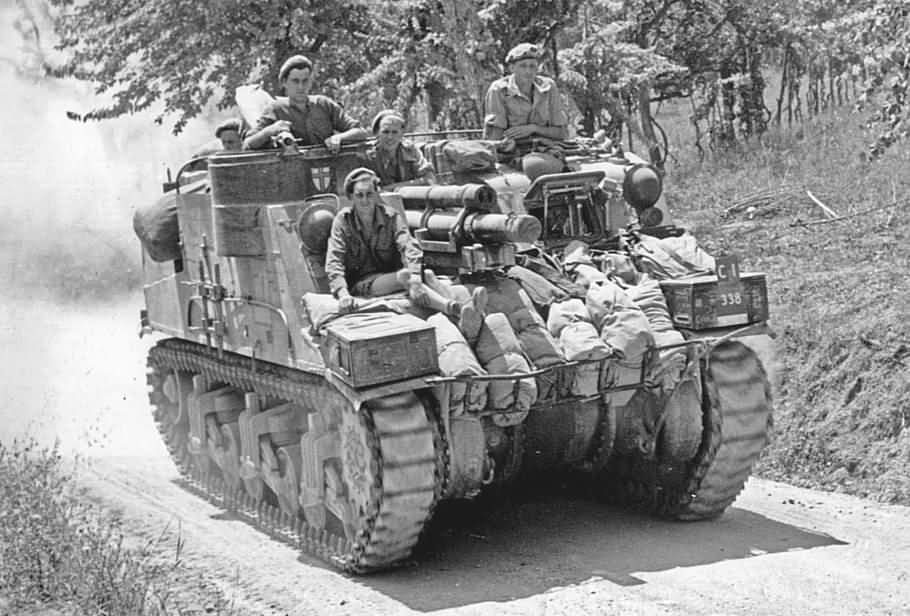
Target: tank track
point(736, 423)
point(408, 456)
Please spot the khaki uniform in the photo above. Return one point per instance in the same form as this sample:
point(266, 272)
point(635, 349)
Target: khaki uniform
point(313, 123)
point(506, 106)
point(356, 256)
point(405, 163)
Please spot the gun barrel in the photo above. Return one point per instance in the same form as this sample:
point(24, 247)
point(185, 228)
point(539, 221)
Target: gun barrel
point(473, 196)
point(482, 227)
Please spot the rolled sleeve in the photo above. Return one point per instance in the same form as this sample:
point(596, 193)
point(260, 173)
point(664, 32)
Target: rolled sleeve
point(335, 257)
point(341, 120)
point(495, 108)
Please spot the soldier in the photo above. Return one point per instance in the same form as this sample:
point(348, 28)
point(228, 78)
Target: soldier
point(312, 118)
point(230, 133)
point(395, 160)
point(524, 106)
point(371, 252)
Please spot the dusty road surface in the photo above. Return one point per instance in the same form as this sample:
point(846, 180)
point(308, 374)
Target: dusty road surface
point(779, 550)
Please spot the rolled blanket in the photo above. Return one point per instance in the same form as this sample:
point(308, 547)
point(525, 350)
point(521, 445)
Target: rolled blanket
point(457, 359)
point(499, 352)
point(621, 323)
point(541, 291)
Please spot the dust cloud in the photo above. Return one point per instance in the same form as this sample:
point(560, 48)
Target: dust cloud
point(71, 364)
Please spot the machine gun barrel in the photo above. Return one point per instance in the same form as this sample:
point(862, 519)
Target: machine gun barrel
point(472, 196)
point(482, 227)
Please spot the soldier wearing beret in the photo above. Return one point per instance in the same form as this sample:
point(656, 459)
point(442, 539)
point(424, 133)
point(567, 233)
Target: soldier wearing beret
point(313, 119)
point(525, 105)
point(396, 160)
point(230, 133)
point(370, 250)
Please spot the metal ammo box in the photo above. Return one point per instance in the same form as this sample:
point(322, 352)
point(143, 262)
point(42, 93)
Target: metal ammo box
point(705, 302)
point(369, 348)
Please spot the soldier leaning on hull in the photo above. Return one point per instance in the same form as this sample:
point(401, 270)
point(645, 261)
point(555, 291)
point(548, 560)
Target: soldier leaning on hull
point(312, 118)
point(523, 106)
point(397, 161)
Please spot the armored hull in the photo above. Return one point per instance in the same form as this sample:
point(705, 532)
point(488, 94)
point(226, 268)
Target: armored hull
point(341, 434)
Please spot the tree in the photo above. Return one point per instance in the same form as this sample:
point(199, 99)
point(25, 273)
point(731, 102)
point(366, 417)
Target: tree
point(184, 54)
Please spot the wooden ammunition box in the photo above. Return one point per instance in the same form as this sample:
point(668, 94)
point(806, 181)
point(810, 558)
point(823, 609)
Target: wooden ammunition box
point(705, 302)
point(370, 348)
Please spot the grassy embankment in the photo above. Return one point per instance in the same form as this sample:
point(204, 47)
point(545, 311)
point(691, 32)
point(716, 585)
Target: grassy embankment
point(838, 293)
point(61, 554)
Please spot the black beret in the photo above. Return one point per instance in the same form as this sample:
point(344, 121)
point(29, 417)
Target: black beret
point(232, 124)
point(523, 51)
point(360, 173)
point(293, 62)
point(385, 113)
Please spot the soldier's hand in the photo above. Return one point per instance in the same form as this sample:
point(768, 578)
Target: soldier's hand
point(345, 304)
point(520, 132)
point(333, 143)
point(280, 126)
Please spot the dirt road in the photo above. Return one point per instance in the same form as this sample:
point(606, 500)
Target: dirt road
point(779, 550)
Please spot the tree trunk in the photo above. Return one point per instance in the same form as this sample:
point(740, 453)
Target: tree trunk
point(647, 126)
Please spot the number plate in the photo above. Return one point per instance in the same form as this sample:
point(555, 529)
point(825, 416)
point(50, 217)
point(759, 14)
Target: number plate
point(732, 308)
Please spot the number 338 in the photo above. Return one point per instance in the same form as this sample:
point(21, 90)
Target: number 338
point(731, 299)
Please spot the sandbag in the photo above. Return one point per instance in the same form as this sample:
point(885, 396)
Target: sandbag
point(580, 341)
point(503, 295)
point(457, 359)
point(671, 362)
point(536, 341)
point(157, 227)
point(565, 313)
point(499, 352)
point(648, 296)
point(621, 324)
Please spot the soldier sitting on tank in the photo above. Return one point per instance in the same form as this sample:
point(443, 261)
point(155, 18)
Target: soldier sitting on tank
point(397, 161)
point(524, 106)
point(310, 118)
point(371, 252)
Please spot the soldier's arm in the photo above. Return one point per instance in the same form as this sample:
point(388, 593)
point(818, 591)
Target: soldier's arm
point(334, 259)
point(267, 126)
point(495, 121)
point(346, 128)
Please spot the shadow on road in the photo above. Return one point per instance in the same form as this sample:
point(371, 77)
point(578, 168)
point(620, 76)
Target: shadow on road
point(525, 547)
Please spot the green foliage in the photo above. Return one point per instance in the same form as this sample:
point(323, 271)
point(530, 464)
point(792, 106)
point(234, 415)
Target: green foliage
point(56, 550)
point(614, 57)
point(185, 54)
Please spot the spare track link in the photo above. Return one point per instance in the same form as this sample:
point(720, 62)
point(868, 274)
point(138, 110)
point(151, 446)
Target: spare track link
point(404, 492)
point(736, 423)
